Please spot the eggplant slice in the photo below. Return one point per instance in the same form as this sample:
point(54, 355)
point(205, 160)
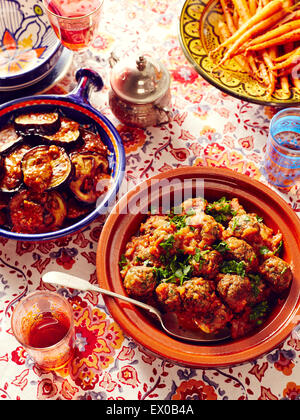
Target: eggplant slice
point(32, 212)
point(67, 136)
point(45, 168)
point(9, 138)
point(92, 142)
point(37, 124)
point(88, 170)
point(12, 173)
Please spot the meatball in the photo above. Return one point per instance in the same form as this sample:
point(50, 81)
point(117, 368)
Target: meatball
point(197, 295)
point(214, 320)
point(206, 263)
point(154, 222)
point(194, 205)
point(245, 226)
point(140, 281)
point(236, 207)
point(209, 230)
point(240, 250)
point(277, 273)
point(168, 296)
point(260, 291)
point(235, 291)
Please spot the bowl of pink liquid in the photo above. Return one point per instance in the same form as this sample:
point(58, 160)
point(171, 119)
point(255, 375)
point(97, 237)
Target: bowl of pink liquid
point(29, 48)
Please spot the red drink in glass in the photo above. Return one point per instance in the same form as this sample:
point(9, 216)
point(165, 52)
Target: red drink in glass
point(75, 23)
point(43, 323)
point(48, 329)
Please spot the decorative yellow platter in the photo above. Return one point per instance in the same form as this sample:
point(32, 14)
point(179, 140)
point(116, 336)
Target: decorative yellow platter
point(199, 35)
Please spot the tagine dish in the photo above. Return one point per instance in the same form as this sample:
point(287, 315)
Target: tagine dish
point(53, 171)
point(212, 263)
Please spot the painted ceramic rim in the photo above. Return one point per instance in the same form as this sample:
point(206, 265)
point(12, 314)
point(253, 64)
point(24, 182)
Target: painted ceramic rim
point(138, 326)
point(119, 156)
point(52, 78)
point(188, 54)
point(33, 75)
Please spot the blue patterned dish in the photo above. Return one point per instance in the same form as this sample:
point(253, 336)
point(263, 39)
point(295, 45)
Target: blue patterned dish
point(29, 48)
point(75, 106)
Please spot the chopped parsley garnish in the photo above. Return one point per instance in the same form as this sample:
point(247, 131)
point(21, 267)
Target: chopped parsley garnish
point(168, 243)
point(255, 283)
point(178, 268)
point(279, 248)
point(123, 262)
point(220, 210)
point(221, 247)
point(259, 311)
point(178, 221)
point(259, 219)
point(238, 221)
point(263, 250)
point(233, 267)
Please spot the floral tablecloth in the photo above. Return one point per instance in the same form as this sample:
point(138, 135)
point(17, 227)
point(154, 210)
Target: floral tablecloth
point(209, 129)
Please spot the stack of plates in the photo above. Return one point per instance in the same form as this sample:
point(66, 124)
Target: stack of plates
point(31, 56)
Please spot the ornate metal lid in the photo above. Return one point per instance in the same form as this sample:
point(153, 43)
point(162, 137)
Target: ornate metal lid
point(140, 81)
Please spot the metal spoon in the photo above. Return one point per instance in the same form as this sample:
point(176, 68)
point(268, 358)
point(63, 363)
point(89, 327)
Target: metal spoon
point(168, 320)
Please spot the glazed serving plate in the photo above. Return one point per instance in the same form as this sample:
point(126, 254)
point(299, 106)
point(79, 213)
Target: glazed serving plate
point(198, 33)
point(29, 48)
point(75, 106)
point(124, 221)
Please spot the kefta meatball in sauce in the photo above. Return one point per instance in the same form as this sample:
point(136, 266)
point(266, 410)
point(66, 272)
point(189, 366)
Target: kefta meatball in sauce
point(212, 263)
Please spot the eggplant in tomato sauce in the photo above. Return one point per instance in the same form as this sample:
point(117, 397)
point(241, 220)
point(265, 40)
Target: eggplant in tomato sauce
point(54, 176)
point(32, 212)
point(12, 173)
point(9, 138)
point(68, 135)
point(89, 168)
point(37, 123)
point(46, 167)
point(91, 142)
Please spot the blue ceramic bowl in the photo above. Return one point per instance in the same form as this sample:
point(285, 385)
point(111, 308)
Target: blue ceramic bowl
point(29, 48)
point(75, 106)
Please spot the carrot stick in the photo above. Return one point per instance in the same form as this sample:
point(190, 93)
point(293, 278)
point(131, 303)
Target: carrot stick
point(296, 82)
point(228, 16)
point(232, 29)
point(259, 27)
point(284, 80)
point(280, 40)
point(291, 61)
point(252, 7)
point(261, 15)
point(225, 34)
point(276, 32)
point(284, 57)
point(264, 74)
point(267, 56)
point(290, 17)
point(285, 85)
point(242, 8)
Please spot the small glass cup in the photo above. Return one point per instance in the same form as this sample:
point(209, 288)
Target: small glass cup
point(34, 314)
point(282, 160)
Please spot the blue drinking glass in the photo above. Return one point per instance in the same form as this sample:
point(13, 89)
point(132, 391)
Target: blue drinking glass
point(282, 160)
